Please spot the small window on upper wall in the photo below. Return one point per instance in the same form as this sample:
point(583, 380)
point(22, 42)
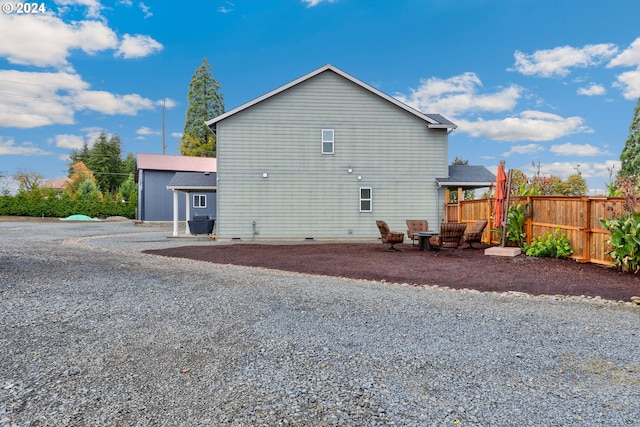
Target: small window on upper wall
point(327, 141)
point(199, 201)
point(366, 199)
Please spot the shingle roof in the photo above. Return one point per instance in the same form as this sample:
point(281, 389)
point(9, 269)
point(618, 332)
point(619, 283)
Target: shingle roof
point(192, 181)
point(433, 120)
point(441, 120)
point(468, 176)
point(176, 163)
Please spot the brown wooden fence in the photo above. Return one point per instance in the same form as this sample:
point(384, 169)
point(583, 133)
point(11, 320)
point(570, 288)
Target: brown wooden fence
point(578, 217)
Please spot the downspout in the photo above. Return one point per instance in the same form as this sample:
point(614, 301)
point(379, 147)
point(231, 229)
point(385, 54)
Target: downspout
point(438, 203)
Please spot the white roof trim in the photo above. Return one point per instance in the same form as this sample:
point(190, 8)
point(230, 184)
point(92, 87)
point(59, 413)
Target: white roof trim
point(192, 187)
point(464, 183)
point(441, 126)
point(329, 67)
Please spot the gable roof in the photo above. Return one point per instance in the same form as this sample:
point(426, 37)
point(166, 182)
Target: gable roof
point(433, 120)
point(176, 163)
point(197, 181)
point(468, 176)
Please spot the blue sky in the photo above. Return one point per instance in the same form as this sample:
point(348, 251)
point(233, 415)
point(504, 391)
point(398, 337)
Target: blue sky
point(554, 82)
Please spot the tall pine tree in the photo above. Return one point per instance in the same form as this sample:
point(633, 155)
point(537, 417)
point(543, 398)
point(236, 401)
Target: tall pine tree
point(205, 103)
point(630, 156)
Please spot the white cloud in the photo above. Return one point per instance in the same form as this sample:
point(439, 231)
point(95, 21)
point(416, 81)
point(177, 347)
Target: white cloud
point(585, 150)
point(145, 131)
point(226, 9)
point(69, 141)
point(108, 103)
point(45, 40)
point(588, 170)
point(37, 99)
point(93, 6)
point(592, 90)
point(137, 46)
point(8, 147)
point(629, 82)
point(167, 102)
point(459, 94)
point(176, 134)
point(602, 169)
point(558, 62)
point(523, 149)
point(312, 3)
point(32, 99)
point(146, 10)
point(529, 126)
point(629, 57)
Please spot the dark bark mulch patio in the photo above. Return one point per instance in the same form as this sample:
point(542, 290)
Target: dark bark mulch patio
point(462, 268)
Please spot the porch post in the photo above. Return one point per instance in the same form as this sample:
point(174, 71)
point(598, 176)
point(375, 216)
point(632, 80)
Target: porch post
point(188, 214)
point(460, 199)
point(175, 213)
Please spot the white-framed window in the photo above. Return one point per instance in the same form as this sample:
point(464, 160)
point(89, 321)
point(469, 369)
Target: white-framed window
point(327, 141)
point(199, 200)
point(366, 199)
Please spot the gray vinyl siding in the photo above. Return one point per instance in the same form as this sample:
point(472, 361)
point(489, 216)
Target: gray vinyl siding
point(156, 202)
point(308, 194)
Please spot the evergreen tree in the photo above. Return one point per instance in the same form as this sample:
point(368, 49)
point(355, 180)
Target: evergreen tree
point(459, 161)
point(128, 189)
point(106, 164)
point(630, 156)
point(104, 161)
point(81, 155)
point(129, 165)
point(205, 103)
point(88, 191)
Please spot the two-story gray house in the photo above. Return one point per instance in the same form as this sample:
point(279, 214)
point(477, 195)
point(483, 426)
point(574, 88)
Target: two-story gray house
point(325, 156)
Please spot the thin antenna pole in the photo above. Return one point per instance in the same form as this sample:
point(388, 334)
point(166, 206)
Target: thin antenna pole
point(164, 145)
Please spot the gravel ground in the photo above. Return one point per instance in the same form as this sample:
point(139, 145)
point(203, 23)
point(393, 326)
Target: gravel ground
point(94, 333)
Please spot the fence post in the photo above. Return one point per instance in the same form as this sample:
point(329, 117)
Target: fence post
point(586, 231)
point(528, 222)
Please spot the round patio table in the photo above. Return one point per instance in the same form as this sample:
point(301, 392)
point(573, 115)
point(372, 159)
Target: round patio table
point(423, 239)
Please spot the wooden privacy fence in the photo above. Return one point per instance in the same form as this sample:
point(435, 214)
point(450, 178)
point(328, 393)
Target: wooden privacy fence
point(577, 217)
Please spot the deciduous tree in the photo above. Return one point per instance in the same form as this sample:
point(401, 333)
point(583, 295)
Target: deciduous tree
point(28, 180)
point(80, 173)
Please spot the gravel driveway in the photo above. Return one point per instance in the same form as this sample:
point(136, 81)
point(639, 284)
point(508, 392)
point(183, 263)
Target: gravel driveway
point(94, 333)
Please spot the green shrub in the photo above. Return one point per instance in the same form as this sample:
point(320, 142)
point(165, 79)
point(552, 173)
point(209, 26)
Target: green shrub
point(50, 204)
point(625, 240)
point(554, 245)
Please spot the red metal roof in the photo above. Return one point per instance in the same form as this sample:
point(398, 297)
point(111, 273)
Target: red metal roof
point(176, 163)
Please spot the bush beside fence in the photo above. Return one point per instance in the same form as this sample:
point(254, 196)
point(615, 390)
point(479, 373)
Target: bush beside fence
point(578, 217)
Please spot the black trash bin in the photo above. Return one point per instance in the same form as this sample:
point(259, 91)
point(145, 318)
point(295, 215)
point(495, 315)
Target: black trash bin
point(201, 224)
